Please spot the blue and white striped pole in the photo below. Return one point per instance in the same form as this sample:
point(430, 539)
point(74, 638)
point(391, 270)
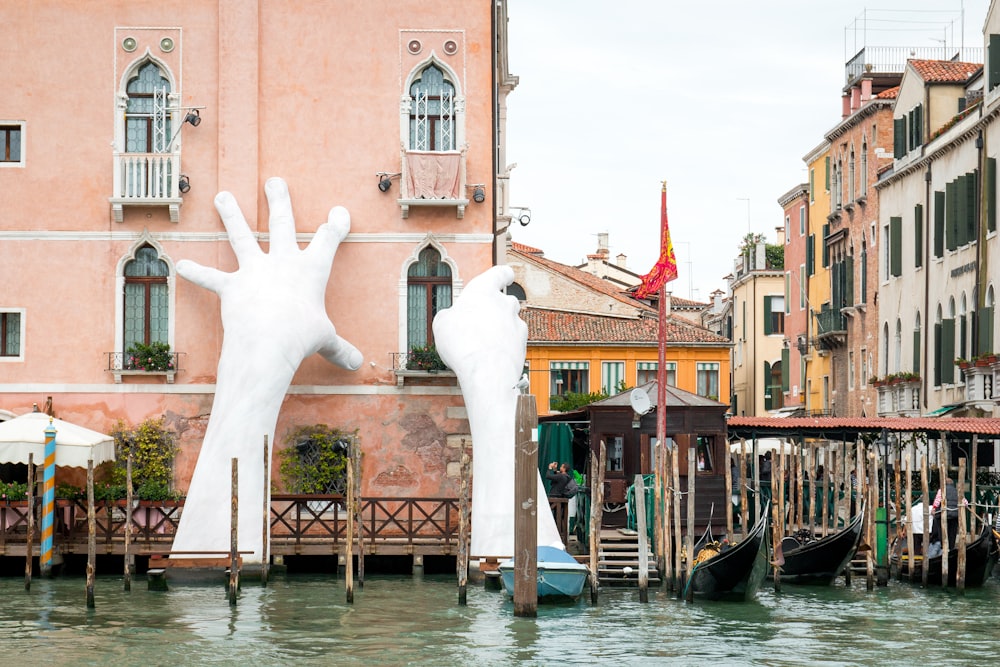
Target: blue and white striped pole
point(48, 499)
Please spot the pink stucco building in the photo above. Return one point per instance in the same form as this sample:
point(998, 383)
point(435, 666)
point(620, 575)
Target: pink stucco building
point(121, 122)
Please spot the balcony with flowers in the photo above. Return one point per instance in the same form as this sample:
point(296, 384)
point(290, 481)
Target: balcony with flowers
point(980, 374)
point(898, 394)
point(155, 359)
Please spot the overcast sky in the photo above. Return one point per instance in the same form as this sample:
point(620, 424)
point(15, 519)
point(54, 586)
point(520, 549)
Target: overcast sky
point(720, 99)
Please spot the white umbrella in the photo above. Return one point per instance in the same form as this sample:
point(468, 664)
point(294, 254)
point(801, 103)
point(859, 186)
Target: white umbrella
point(74, 444)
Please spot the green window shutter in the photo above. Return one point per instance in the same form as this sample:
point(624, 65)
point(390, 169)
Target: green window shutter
point(918, 235)
point(811, 254)
point(938, 329)
point(951, 216)
point(918, 125)
point(991, 194)
point(963, 331)
point(961, 210)
point(812, 185)
point(985, 325)
point(896, 246)
point(849, 281)
point(899, 137)
point(767, 315)
point(785, 370)
point(993, 57)
point(916, 351)
point(939, 208)
point(835, 294)
point(788, 292)
point(768, 397)
point(826, 248)
point(947, 351)
point(826, 177)
point(971, 222)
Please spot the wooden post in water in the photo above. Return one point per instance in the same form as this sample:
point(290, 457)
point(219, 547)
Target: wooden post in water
point(29, 547)
point(692, 468)
point(743, 488)
point(911, 547)
point(776, 522)
point(526, 508)
point(127, 581)
point(729, 493)
point(234, 513)
point(657, 518)
point(871, 492)
point(356, 457)
point(463, 527)
point(809, 488)
point(349, 534)
point(973, 528)
point(960, 487)
point(926, 543)
point(596, 505)
point(798, 485)
point(898, 507)
point(667, 510)
point(942, 514)
point(675, 474)
point(831, 489)
point(265, 556)
point(640, 524)
point(91, 535)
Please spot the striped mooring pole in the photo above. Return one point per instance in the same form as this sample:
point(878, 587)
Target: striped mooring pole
point(48, 499)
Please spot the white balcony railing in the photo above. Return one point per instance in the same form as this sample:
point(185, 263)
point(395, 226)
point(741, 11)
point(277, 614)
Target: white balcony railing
point(431, 178)
point(146, 179)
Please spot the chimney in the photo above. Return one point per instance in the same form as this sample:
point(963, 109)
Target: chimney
point(781, 235)
point(845, 106)
point(760, 256)
point(620, 260)
point(855, 99)
point(666, 303)
point(717, 300)
point(866, 89)
point(602, 243)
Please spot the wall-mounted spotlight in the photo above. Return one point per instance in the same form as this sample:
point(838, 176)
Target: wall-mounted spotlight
point(523, 215)
point(385, 180)
point(183, 184)
point(194, 117)
point(478, 192)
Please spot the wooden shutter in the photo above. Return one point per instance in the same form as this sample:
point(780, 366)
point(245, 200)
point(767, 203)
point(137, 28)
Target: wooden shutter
point(985, 325)
point(916, 351)
point(961, 210)
point(899, 137)
point(939, 210)
point(811, 254)
point(826, 164)
point(971, 207)
point(896, 246)
point(785, 370)
point(768, 397)
point(826, 248)
point(947, 351)
point(991, 194)
point(951, 216)
point(767, 316)
point(918, 125)
point(993, 57)
point(937, 353)
point(918, 235)
point(849, 282)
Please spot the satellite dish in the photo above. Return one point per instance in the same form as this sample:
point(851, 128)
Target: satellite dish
point(640, 401)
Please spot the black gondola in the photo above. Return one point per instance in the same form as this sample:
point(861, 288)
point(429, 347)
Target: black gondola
point(980, 558)
point(820, 561)
point(733, 572)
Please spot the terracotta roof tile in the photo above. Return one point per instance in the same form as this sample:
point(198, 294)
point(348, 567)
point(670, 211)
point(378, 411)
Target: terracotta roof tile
point(525, 249)
point(557, 326)
point(889, 94)
point(982, 426)
point(944, 71)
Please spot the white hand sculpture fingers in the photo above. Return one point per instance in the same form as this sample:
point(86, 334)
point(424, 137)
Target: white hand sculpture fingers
point(339, 352)
point(240, 237)
point(328, 237)
point(281, 224)
point(494, 279)
point(203, 276)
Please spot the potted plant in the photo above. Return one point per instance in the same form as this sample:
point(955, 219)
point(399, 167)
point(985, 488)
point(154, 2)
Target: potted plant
point(152, 449)
point(962, 363)
point(13, 492)
point(315, 460)
point(151, 358)
point(424, 358)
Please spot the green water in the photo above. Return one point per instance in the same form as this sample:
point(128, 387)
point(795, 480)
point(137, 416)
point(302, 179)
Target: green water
point(403, 620)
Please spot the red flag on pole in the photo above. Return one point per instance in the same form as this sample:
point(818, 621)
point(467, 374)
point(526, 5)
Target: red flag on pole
point(665, 268)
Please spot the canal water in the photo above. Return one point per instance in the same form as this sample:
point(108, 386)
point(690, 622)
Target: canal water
point(404, 620)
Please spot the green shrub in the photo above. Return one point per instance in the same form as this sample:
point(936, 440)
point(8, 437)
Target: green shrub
point(10, 491)
point(315, 460)
point(424, 358)
point(153, 357)
point(153, 450)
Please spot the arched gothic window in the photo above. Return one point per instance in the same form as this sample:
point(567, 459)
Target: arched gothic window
point(147, 123)
point(428, 291)
point(147, 304)
point(432, 112)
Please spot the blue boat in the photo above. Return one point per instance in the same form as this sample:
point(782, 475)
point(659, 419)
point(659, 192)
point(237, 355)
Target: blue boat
point(560, 576)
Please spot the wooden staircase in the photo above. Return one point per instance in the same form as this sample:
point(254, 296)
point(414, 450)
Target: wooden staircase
point(618, 559)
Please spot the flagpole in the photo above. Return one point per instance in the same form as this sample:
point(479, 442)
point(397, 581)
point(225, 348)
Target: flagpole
point(661, 377)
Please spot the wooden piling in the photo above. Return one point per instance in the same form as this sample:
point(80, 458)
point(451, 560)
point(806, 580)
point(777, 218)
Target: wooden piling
point(809, 487)
point(127, 575)
point(91, 535)
point(897, 488)
point(265, 556)
point(667, 509)
point(596, 505)
point(640, 524)
point(349, 535)
point(871, 510)
point(29, 547)
point(831, 487)
point(689, 546)
point(910, 544)
point(658, 519)
point(926, 542)
point(678, 497)
point(463, 527)
point(526, 508)
point(942, 514)
point(799, 486)
point(776, 522)
point(743, 488)
point(960, 487)
point(234, 513)
point(356, 458)
point(974, 516)
point(729, 493)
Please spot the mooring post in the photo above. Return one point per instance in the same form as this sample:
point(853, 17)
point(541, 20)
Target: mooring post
point(675, 473)
point(829, 477)
point(265, 556)
point(871, 509)
point(743, 488)
point(973, 527)
point(729, 492)
point(666, 510)
point(941, 513)
point(776, 520)
point(356, 462)
point(925, 488)
point(526, 507)
point(960, 482)
point(640, 524)
point(29, 548)
point(127, 574)
point(234, 566)
point(349, 535)
point(911, 546)
point(689, 546)
point(463, 527)
point(596, 515)
point(657, 519)
point(91, 535)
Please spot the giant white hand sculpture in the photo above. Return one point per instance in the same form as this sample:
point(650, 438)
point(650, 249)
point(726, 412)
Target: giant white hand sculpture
point(483, 340)
point(273, 317)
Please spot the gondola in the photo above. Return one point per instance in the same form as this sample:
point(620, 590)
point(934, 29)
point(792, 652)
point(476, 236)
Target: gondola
point(812, 561)
point(980, 558)
point(731, 572)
